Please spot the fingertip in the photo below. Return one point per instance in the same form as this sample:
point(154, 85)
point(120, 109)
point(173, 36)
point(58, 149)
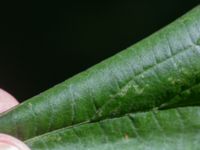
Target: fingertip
point(8, 142)
point(7, 101)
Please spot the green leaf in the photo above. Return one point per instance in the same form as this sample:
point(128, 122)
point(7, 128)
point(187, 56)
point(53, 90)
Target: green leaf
point(160, 72)
point(169, 129)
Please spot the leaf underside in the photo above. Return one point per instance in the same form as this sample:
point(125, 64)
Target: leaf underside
point(145, 97)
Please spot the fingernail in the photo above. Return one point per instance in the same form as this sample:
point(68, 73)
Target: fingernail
point(8, 142)
point(7, 101)
point(5, 146)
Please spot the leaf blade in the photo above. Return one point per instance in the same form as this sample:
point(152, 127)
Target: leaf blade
point(167, 129)
point(147, 75)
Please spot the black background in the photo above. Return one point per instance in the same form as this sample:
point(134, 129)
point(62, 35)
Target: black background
point(43, 43)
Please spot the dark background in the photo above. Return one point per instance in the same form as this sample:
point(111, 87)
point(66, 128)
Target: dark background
point(43, 43)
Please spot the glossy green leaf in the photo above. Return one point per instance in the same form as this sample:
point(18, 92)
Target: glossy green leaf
point(165, 130)
point(159, 72)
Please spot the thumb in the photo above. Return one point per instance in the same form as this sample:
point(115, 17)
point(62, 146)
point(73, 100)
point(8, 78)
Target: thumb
point(6, 101)
point(8, 142)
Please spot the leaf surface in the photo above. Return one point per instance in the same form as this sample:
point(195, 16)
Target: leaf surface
point(168, 129)
point(157, 73)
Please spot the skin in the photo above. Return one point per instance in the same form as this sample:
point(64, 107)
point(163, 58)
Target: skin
point(8, 142)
